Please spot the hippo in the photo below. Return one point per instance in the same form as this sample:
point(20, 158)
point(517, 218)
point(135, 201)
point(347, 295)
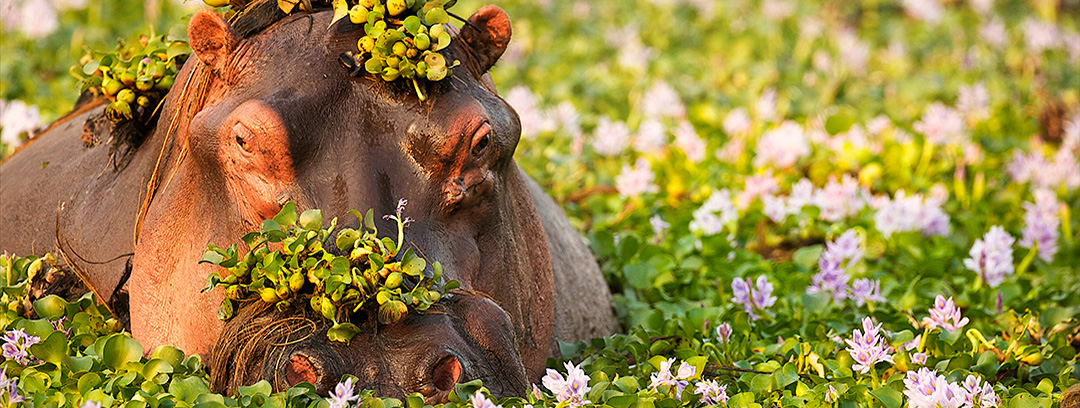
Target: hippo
point(263, 113)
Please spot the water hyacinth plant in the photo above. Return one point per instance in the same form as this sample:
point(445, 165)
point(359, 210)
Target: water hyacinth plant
point(758, 179)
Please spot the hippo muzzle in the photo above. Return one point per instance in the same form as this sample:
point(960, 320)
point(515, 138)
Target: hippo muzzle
point(464, 337)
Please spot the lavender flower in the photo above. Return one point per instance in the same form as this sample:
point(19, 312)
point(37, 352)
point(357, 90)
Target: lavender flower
point(736, 122)
point(978, 393)
point(992, 257)
point(865, 291)
point(680, 380)
point(478, 400)
point(918, 358)
point(924, 388)
point(940, 124)
point(833, 276)
point(712, 393)
point(867, 347)
point(9, 389)
point(714, 214)
point(723, 332)
point(524, 103)
point(781, 147)
point(1041, 224)
point(572, 388)
point(757, 298)
point(632, 182)
point(343, 394)
point(16, 346)
point(610, 138)
point(945, 314)
point(651, 136)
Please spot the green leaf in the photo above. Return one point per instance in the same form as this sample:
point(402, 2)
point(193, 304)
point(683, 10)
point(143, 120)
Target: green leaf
point(91, 67)
point(786, 375)
point(369, 220)
point(50, 307)
point(121, 349)
point(341, 9)
point(412, 24)
point(415, 266)
point(312, 219)
point(807, 257)
point(188, 388)
point(262, 387)
point(888, 396)
point(414, 400)
point(156, 366)
point(638, 275)
point(342, 332)
point(177, 49)
point(436, 16)
point(287, 216)
point(53, 349)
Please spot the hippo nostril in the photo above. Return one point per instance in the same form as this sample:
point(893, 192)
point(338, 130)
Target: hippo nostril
point(300, 369)
point(447, 372)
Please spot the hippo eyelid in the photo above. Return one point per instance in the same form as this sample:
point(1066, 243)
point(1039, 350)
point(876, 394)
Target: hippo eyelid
point(481, 138)
point(244, 136)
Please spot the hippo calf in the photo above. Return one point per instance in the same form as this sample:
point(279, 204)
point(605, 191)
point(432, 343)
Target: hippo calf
point(264, 113)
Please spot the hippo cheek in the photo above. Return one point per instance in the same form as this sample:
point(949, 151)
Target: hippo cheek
point(487, 329)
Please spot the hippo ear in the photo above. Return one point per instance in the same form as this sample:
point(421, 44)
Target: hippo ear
point(212, 40)
point(488, 32)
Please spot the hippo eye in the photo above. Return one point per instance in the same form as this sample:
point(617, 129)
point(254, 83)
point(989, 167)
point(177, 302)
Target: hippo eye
point(484, 135)
point(242, 135)
point(446, 373)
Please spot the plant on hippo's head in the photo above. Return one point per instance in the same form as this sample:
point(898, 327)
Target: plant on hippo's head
point(136, 76)
point(374, 274)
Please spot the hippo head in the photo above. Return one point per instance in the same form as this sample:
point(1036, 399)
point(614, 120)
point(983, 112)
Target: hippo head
point(466, 336)
point(266, 113)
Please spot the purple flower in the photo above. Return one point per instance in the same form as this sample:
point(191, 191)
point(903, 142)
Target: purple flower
point(572, 388)
point(343, 394)
point(833, 276)
point(16, 346)
point(924, 388)
point(831, 394)
point(651, 136)
point(723, 332)
point(662, 101)
point(754, 187)
point(1040, 35)
point(524, 103)
point(911, 213)
point(918, 358)
point(992, 257)
point(974, 101)
point(781, 147)
point(478, 400)
point(16, 118)
point(940, 124)
point(867, 347)
point(680, 380)
point(90, 404)
point(9, 389)
point(632, 182)
point(736, 122)
point(945, 314)
point(687, 140)
point(839, 200)
point(757, 298)
point(712, 393)
point(913, 344)
point(610, 138)
point(929, 11)
point(993, 32)
point(866, 291)
point(714, 214)
point(1041, 224)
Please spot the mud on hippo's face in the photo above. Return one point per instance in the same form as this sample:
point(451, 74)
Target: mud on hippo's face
point(465, 337)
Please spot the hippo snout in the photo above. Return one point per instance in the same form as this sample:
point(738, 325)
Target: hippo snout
point(464, 337)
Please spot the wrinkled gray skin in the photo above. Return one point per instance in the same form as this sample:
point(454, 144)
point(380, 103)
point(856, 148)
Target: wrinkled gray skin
point(258, 120)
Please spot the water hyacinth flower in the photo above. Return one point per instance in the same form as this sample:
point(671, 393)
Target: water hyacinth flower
point(868, 347)
point(723, 332)
point(973, 102)
point(16, 118)
point(1040, 35)
point(711, 392)
point(945, 314)
point(864, 291)
point(1041, 224)
point(90, 404)
point(754, 187)
point(714, 214)
point(570, 389)
point(992, 256)
point(918, 358)
point(478, 400)
point(651, 137)
point(679, 380)
point(993, 33)
point(834, 261)
point(765, 106)
point(524, 101)
point(929, 11)
point(688, 141)
point(610, 138)
point(662, 101)
point(343, 394)
point(736, 122)
point(16, 346)
point(9, 389)
point(910, 213)
point(781, 147)
point(632, 182)
point(757, 297)
point(940, 124)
